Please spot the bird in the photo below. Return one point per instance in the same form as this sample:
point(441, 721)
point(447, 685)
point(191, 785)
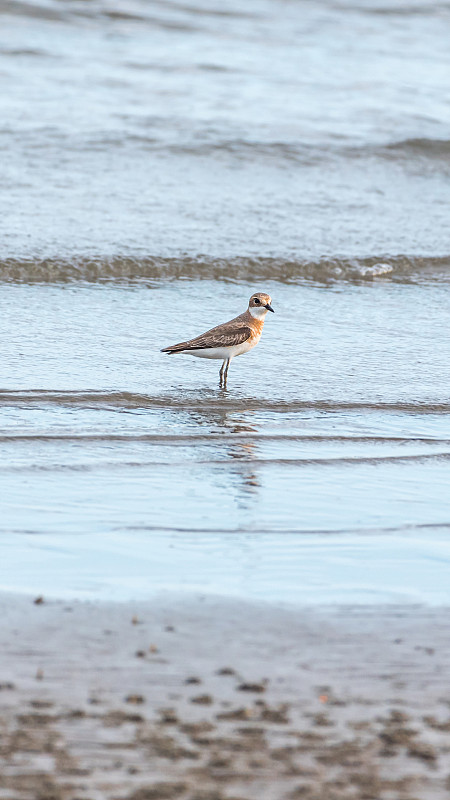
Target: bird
point(230, 339)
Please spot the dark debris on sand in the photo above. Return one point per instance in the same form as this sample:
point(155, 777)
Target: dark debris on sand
point(101, 724)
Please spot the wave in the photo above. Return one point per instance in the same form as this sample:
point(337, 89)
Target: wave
point(301, 153)
point(405, 528)
point(237, 465)
point(298, 152)
point(177, 137)
point(158, 11)
point(406, 10)
point(33, 10)
point(206, 401)
point(227, 438)
point(173, 15)
point(435, 148)
point(400, 268)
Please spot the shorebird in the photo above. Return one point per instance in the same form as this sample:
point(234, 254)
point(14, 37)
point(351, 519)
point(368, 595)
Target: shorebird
point(230, 339)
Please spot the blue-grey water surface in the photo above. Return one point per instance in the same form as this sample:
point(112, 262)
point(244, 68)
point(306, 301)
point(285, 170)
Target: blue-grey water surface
point(160, 162)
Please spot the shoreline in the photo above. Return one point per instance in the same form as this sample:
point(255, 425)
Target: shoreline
point(205, 698)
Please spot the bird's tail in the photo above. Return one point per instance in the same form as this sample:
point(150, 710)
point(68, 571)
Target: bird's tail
point(175, 348)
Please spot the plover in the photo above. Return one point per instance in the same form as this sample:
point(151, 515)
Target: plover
point(230, 339)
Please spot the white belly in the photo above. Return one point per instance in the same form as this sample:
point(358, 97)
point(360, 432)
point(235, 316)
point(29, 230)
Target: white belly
point(222, 352)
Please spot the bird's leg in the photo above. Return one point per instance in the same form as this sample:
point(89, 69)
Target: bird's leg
point(221, 373)
point(225, 375)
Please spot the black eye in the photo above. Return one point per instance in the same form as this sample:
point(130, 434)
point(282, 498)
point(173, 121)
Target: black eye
point(256, 301)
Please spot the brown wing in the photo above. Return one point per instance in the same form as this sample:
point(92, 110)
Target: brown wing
point(211, 339)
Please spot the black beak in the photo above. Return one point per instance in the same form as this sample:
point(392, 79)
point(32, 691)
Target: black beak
point(269, 308)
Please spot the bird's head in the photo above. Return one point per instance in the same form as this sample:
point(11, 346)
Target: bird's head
point(259, 305)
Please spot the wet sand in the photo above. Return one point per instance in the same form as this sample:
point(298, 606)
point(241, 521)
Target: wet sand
point(205, 698)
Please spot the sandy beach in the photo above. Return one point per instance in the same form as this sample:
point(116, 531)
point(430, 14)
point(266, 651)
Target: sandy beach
point(200, 698)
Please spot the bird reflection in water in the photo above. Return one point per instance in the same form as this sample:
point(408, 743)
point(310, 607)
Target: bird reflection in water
point(237, 441)
point(245, 451)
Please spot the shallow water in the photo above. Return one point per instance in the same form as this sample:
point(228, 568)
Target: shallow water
point(162, 161)
point(125, 470)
